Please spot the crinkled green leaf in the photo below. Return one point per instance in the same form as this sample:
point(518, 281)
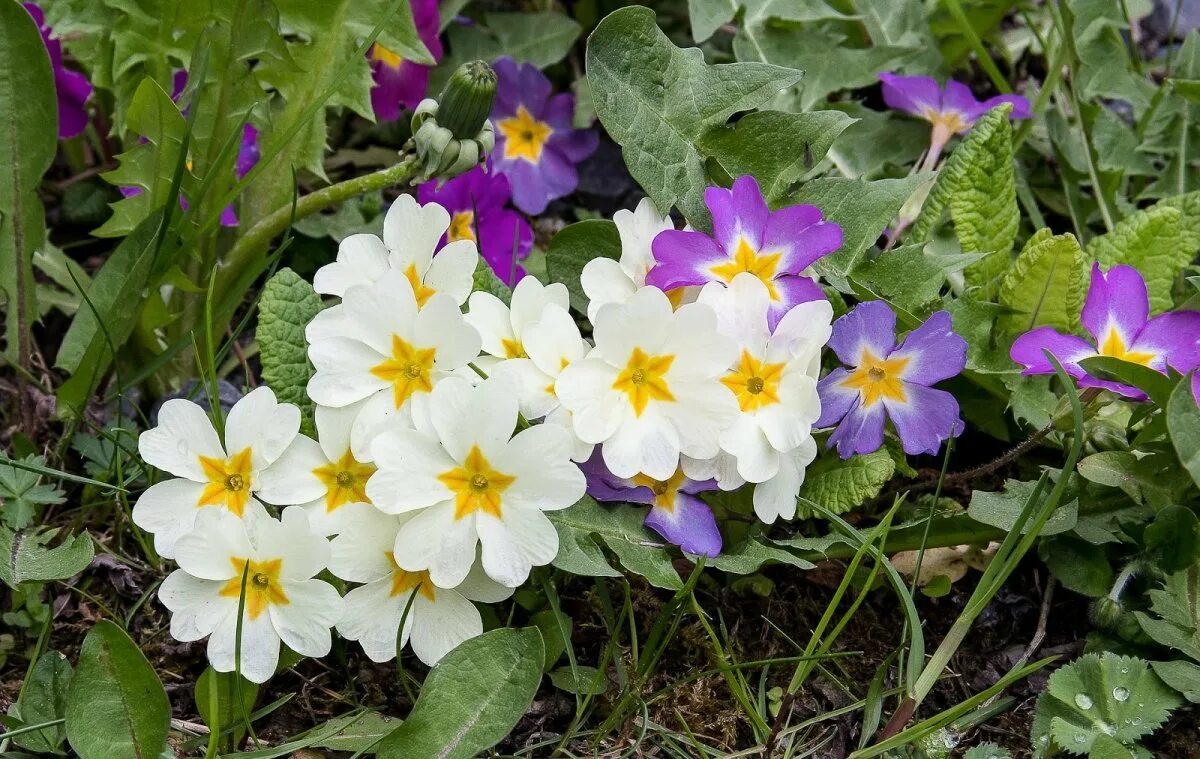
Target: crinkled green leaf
point(485, 280)
point(1002, 509)
point(1046, 285)
point(1155, 243)
point(840, 485)
point(572, 248)
point(656, 100)
point(287, 305)
point(27, 557)
point(909, 277)
point(22, 494)
point(1183, 423)
point(586, 526)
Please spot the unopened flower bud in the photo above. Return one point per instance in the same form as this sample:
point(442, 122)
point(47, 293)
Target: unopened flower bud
point(439, 153)
point(467, 99)
point(1106, 613)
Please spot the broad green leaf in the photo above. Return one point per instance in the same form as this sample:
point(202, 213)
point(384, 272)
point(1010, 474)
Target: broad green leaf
point(878, 143)
point(583, 680)
point(44, 699)
point(1046, 285)
point(28, 558)
point(1138, 477)
point(776, 148)
point(472, 698)
point(584, 527)
point(116, 705)
point(1155, 384)
point(1080, 566)
point(709, 15)
point(1174, 614)
point(1183, 676)
point(22, 494)
point(1183, 423)
point(840, 485)
point(572, 248)
point(541, 38)
point(28, 140)
point(1156, 242)
point(552, 626)
point(750, 555)
point(656, 100)
point(977, 184)
point(974, 320)
point(987, 751)
point(362, 732)
point(909, 277)
point(229, 714)
point(1002, 509)
point(287, 305)
point(1172, 540)
point(1106, 70)
point(485, 280)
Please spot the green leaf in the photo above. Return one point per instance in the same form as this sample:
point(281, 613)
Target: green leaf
point(1046, 285)
point(572, 248)
point(840, 485)
point(776, 148)
point(230, 714)
point(707, 16)
point(1138, 477)
point(656, 100)
point(1183, 423)
point(583, 680)
point(362, 732)
point(987, 751)
point(750, 555)
point(485, 280)
point(1002, 509)
point(1080, 566)
point(909, 277)
point(27, 558)
point(878, 143)
point(1106, 69)
point(1172, 540)
point(1174, 614)
point(1158, 241)
point(977, 184)
point(1155, 384)
point(287, 305)
point(1108, 695)
point(43, 699)
point(1183, 676)
point(116, 706)
point(542, 38)
point(582, 527)
point(472, 698)
point(28, 140)
point(21, 494)
point(552, 625)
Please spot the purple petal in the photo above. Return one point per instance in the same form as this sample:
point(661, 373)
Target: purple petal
point(861, 430)
point(1175, 338)
point(73, 91)
point(1068, 349)
point(1128, 391)
point(560, 112)
point(912, 94)
point(574, 144)
point(683, 257)
point(870, 326)
point(957, 97)
point(690, 525)
point(924, 419)
point(603, 485)
point(519, 84)
point(530, 191)
point(738, 212)
point(1196, 387)
point(248, 154)
point(836, 398)
point(791, 291)
point(1116, 300)
point(802, 235)
point(1020, 106)
point(498, 229)
point(398, 88)
point(935, 351)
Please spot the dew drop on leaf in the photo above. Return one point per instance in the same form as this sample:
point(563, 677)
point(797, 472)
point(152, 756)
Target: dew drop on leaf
point(1121, 694)
point(1083, 701)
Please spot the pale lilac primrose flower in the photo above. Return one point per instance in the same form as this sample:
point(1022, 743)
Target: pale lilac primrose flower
point(283, 603)
point(537, 144)
point(776, 247)
point(889, 381)
point(607, 281)
point(1116, 315)
point(438, 620)
point(676, 512)
point(376, 351)
point(211, 476)
point(775, 380)
point(473, 483)
point(71, 87)
point(400, 83)
point(650, 390)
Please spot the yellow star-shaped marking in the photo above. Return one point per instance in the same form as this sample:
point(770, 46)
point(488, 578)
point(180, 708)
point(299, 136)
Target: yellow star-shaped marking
point(476, 485)
point(747, 259)
point(408, 370)
point(1114, 347)
point(262, 584)
point(755, 383)
point(643, 379)
point(345, 481)
point(228, 481)
point(877, 378)
point(404, 581)
point(524, 136)
point(462, 227)
point(665, 491)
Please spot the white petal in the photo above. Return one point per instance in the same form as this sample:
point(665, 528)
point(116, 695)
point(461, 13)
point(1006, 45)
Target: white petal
point(360, 551)
point(756, 459)
point(168, 511)
point(434, 540)
point(453, 270)
point(196, 605)
point(787, 423)
point(604, 281)
point(547, 479)
point(530, 299)
point(372, 617)
point(492, 320)
point(741, 310)
point(637, 230)
point(260, 647)
point(702, 409)
point(466, 416)
point(377, 414)
point(641, 322)
point(303, 623)
point(215, 546)
point(260, 422)
point(440, 625)
point(408, 467)
point(290, 480)
point(184, 433)
point(333, 429)
point(523, 539)
point(699, 349)
point(412, 231)
point(647, 444)
point(343, 373)
point(361, 259)
point(330, 322)
point(381, 311)
point(479, 587)
point(585, 388)
point(803, 329)
point(441, 325)
point(553, 341)
point(304, 551)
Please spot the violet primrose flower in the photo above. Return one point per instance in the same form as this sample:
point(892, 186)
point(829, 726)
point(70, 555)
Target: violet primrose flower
point(71, 87)
point(777, 247)
point(676, 512)
point(892, 381)
point(400, 84)
point(537, 145)
point(478, 206)
point(1116, 315)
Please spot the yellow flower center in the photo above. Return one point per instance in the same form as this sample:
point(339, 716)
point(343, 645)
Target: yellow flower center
point(877, 378)
point(262, 584)
point(664, 491)
point(386, 57)
point(524, 136)
point(513, 348)
point(421, 291)
point(228, 481)
point(403, 581)
point(755, 383)
point(462, 227)
point(476, 485)
point(644, 379)
point(408, 370)
point(950, 121)
point(1114, 347)
point(747, 259)
point(345, 481)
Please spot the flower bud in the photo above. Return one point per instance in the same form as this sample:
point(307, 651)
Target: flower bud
point(1106, 613)
point(467, 99)
point(439, 153)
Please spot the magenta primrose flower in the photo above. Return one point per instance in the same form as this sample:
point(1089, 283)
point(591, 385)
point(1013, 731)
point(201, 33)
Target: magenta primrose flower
point(478, 206)
point(1116, 315)
point(72, 88)
point(886, 380)
point(401, 84)
point(537, 145)
point(676, 512)
point(777, 247)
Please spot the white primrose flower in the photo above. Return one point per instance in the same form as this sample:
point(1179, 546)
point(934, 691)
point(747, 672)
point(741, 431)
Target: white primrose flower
point(651, 390)
point(258, 429)
point(411, 233)
point(381, 353)
point(775, 381)
point(438, 619)
point(474, 482)
point(607, 281)
point(278, 559)
point(322, 475)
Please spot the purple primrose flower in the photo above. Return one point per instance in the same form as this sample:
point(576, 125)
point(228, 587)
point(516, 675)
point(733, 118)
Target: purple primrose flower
point(1116, 315)
point(71, 87)
point(777, 247)
point(889, 380)
point(537, 145)
point(478, 206)
point(676, 512)
point(399, 83)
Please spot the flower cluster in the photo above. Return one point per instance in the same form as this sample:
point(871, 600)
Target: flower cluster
point(449, 422)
